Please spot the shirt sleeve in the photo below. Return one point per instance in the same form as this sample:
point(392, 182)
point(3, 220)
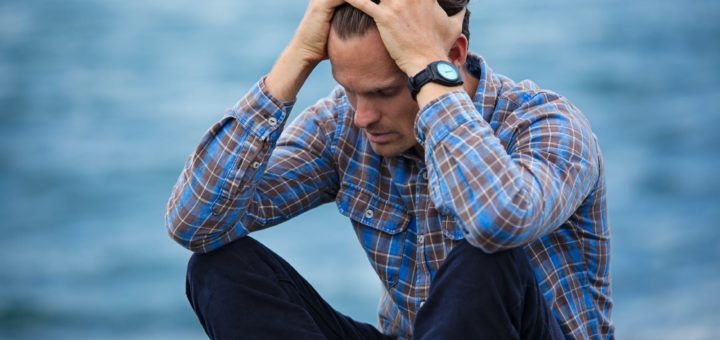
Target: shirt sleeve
point(247, 174)
point(514, 182)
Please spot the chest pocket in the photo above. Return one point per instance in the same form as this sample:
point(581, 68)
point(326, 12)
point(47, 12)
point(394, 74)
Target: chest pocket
point(379, 224)
point(370, 210)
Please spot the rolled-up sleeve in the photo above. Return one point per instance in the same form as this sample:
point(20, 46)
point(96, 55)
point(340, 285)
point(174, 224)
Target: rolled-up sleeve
point(249, 172)
point(203, 209)
point(510, 184)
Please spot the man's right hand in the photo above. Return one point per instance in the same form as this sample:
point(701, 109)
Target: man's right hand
point(307, 49)
point(312, 34)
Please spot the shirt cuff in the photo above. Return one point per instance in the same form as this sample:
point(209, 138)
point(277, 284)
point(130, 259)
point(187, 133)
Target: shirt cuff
point(260, 112)
point(443, 115)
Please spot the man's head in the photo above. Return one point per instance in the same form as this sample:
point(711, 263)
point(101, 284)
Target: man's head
point(374, 84)
point(349, 22)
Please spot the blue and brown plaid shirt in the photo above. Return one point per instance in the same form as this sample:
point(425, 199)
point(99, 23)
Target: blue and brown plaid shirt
point(515, 166)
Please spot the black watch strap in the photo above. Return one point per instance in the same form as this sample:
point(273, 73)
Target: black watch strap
point(440, 72)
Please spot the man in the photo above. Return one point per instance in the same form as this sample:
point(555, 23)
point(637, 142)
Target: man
point(479, 201)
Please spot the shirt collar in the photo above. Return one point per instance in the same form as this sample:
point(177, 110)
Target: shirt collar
point(488, 86)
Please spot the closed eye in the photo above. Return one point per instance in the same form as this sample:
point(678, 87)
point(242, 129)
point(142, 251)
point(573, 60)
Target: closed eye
point(386, 92)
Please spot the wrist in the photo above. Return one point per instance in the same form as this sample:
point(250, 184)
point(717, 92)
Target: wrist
point(414, 67)
point(289, 74)
point(432, 91)
point(442, 73)
point(302, 56)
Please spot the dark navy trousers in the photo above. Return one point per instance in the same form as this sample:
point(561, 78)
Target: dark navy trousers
point(245, 291)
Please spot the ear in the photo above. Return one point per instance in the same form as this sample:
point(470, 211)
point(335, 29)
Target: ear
point(458, 51)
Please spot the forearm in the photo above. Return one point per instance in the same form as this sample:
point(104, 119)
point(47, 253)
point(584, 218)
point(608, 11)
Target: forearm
point(505, 193)
point(306, 50)
point(289, 74)
point(210, 197)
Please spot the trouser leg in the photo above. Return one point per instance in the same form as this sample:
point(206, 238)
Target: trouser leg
point(476, 295)
point(245, 291)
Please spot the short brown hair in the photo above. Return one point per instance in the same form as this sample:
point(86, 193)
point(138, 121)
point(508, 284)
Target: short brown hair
point(350, 22)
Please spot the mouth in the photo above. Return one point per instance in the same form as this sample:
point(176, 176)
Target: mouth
point(380, 137)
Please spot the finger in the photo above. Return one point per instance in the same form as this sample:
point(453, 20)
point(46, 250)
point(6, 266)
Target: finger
point(336, 3)
point(366, 6)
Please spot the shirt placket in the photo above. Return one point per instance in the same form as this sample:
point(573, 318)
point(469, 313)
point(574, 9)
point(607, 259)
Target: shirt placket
point(422, 280)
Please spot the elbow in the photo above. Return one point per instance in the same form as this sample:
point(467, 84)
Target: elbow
point(172, 232)
point(512, 225)
point(483, 244)
point(176, 231)
point(195, 245)
point(202, 238)
point(495, 238)
point(184, 234)
point(192, 245)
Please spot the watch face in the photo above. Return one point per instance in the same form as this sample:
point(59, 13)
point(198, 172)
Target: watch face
point(447, 71)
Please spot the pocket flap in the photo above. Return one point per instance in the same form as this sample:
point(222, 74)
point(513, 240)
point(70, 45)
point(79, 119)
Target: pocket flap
point(371, 210)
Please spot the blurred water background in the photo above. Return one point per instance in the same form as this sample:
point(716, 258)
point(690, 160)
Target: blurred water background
point(101, 101)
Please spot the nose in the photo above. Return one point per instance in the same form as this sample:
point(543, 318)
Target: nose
point(366, 113)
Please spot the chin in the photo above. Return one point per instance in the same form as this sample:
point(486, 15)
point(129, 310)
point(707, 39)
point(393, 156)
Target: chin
point(388, 150)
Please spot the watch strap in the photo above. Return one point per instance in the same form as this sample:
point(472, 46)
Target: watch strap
point(431, 74)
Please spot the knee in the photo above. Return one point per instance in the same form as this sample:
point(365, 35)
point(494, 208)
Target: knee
point(239, 255)
point(512, 263)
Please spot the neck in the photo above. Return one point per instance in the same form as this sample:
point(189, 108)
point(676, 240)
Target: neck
point(470, 83)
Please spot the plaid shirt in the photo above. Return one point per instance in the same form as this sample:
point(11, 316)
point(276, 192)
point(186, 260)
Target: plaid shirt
point(517, 166)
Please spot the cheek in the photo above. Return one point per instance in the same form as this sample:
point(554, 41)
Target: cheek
point(408, 111)
point(351, 99)
point(402, 121)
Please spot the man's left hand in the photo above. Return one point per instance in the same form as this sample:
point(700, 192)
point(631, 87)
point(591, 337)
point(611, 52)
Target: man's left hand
point(415, 32)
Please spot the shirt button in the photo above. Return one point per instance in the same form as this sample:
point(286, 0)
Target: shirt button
point(256, 165)
point(272, 121)
point(422, 303)
point(425, 175)
point(369, 213)
point(421, 239)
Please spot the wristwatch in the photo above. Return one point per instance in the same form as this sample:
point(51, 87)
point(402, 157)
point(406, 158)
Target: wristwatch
point(441, 72)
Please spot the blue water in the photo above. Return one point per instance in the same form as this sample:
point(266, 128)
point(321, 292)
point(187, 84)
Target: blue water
point(101, 101)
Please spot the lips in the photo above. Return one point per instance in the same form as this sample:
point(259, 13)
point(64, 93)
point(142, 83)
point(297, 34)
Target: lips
point(380, 137)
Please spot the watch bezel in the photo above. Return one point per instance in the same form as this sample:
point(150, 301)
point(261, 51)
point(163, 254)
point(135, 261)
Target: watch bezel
point(436, 69)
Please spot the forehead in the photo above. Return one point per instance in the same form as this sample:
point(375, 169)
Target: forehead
point(362, 64)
